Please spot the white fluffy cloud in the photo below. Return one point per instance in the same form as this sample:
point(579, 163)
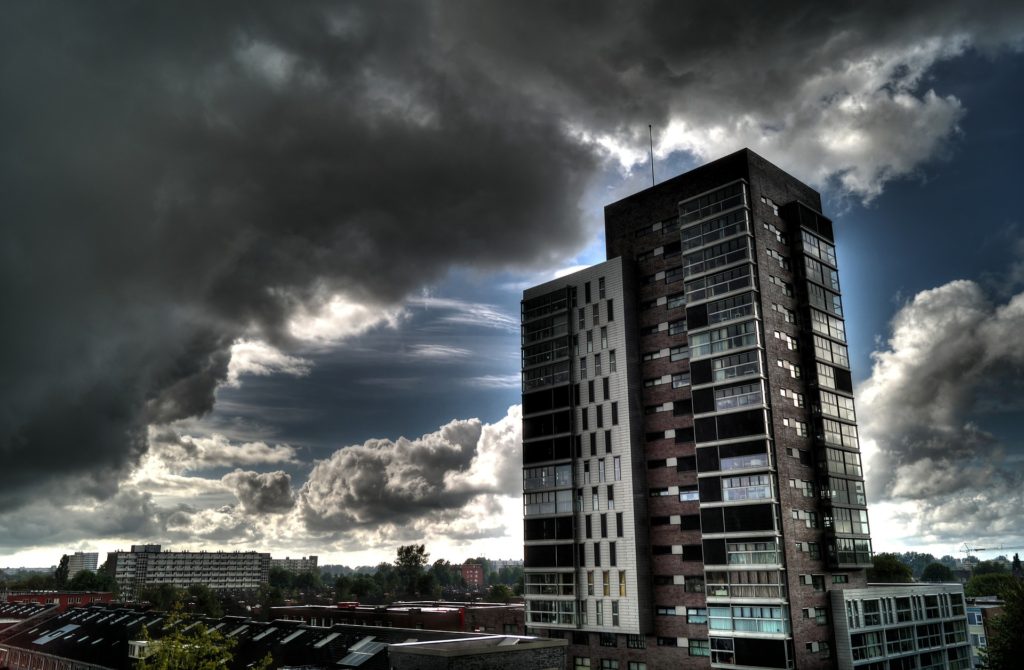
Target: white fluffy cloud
point(399, 482)
point(453, 488)
point(250, 357)
point(338, 317)
point(929, 420)
point(185, 452)
point(860, 120)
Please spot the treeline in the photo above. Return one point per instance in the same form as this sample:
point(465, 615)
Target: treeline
point(409, 577)
point(60, 580)
point(987, 577)
point(412, 577)
point(917, 562)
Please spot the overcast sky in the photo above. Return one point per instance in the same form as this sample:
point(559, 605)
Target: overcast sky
point(260, 263)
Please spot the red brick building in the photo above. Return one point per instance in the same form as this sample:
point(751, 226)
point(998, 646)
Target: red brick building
point(63, 599)
point(473, 575)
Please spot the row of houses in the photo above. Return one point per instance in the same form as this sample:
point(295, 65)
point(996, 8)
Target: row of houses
point(108, 638)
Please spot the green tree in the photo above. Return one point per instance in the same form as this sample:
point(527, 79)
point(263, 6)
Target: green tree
point(163, 596)
point(989, 568)
point(202, 600)
point(916, 561)
point(1006, 632)
point(187, 647)
point(426, 586)
point(936, 572)
point(60, 575)
point(388, 581)
point(508, 575)
point(443, 573)
point(990, 584)
point(1017, 571)
point(888, 569)
point(269, 596)
point(86, 580)
point(307, 581)
point(366, 589)
point(412, 557)
point(36, 581)
point(499, 593)
point(281, 578)
point(412, 581)
point(343, 588)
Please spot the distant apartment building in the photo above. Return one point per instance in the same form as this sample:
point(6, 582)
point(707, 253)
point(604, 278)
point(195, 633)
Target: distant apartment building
point(980, 612)
point(900, 626)
point(473, 575)
point(304, 564)
point(506, 563)
point(79, 561)
point(146, 565)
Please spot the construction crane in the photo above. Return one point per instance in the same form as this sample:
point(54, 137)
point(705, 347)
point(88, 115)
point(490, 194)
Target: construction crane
point(973, 550)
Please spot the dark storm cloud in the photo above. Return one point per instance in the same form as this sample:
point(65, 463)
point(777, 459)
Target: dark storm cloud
point(952, 365)
point(262, 492)
point(128, 513)
point(176, 178)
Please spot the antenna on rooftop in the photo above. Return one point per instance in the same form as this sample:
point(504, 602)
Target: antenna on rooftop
point(650, 134)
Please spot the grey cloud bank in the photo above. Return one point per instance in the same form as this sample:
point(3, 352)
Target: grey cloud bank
point(188, 190)
point(952, 361)
point(377, 492)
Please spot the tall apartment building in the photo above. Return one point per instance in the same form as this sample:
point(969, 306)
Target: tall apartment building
point(691, 469)
point(146, 565)
point(79, 561)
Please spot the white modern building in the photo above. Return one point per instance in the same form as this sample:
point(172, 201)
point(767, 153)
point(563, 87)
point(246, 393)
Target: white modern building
point(79, 561)
point(586, 552)
point(901, 626)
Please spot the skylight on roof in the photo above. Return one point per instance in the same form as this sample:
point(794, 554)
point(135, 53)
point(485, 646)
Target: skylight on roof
point(368, 650)
point(292, 636)
point(53, 635)
point(362, 643)
point(324, 641)
point(264, 633)
point(237, 630)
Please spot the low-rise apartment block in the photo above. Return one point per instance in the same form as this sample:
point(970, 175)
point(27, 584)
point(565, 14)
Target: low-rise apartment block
point(901, 626)
point(304, 564)
point(146, 565)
